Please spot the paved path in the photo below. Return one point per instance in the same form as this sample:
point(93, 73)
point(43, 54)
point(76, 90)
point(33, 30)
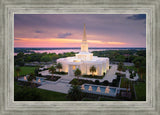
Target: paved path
point(128, 76)
point(60, 85)
point(110, 75)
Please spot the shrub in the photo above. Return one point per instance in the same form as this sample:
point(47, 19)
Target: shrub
point(114, 82)
point(97, 82)
point(75, 82)
point(75, 94)
point(40, 75)
point(105, 82)
point(81, 81)
point(62, 73)
point(95, 76)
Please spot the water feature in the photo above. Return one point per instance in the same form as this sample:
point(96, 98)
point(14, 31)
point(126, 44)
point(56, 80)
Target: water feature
point(82, 87)
point(98, 89)
point(38, 79)
point(90, 88)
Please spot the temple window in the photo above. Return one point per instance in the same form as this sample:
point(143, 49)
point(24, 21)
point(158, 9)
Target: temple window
point(73, 67)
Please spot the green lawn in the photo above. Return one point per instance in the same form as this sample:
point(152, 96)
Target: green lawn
point(36, 94)
point(25, 70)
point(52, 96)
point(123, 81)
point(140, 89)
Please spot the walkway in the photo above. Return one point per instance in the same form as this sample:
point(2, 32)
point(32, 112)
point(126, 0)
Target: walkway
point(60, 85)
point(111, 74)
point(128, 76)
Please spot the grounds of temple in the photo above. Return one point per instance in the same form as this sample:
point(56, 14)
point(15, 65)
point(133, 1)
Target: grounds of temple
point(84, 61)
point(95, 77)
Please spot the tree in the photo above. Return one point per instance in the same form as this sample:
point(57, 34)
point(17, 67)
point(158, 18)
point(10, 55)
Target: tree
point(36, 71)
point(75, 94)
point(31, 78)
point(131, 73)
point(120, 66)
point(92, 70)
point(75, 82)
point(137, 65)
point(52, 69)
point(77, 73)
point(59, 66)
point(17, 71)
point(45, 58)
point(134, 74)
point(141, 71)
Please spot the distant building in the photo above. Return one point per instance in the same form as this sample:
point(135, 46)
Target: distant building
point(84, 60)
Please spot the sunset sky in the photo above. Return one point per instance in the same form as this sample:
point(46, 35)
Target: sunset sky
point(66, 30)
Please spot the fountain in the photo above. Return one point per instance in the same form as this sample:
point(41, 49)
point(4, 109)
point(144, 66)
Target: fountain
point(90, 88)
point(98, 89)
point(25, 78)
point(107, 90)
point(39, 80)
point(82, 87)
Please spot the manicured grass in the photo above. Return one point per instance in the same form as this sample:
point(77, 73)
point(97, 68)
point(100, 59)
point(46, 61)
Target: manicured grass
point(36, 94)
point(140, 90)
point(25, 70)
point(123, 82)
point(51, 95)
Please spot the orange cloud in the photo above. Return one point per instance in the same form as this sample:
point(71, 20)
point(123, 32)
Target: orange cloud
point(56, 42)
point(116, 43)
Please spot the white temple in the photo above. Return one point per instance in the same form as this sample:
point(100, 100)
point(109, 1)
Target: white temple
point(84, 60)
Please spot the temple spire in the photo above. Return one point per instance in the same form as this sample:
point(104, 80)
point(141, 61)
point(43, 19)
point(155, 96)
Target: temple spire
point(84, 44)
point(84, 34)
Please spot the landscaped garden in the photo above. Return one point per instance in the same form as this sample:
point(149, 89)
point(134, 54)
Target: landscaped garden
point(115, 82)
point(55, 78)
point(91, 76)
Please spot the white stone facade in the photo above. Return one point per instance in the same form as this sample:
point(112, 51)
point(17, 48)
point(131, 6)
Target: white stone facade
point(84, 60)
